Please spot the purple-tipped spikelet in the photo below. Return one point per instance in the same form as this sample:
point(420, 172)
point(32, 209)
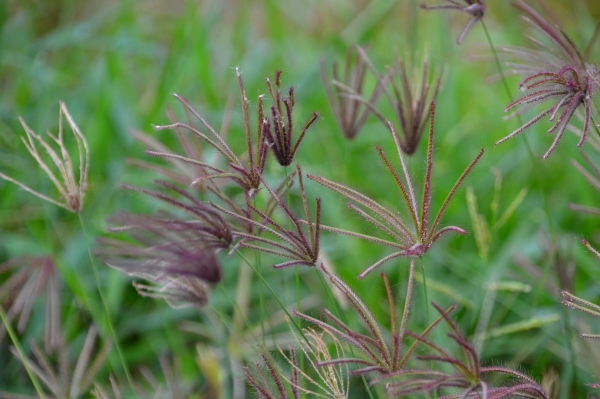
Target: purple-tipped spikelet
point(475, 8)
point(409, 97)
point(468, 375)
point(556, 72)
point(190, 146)
point(410, 242)
point(345, 92)
point(268, 381)
point(278, 130)
point(271, 237)
point(206, 226)
point(159, 250)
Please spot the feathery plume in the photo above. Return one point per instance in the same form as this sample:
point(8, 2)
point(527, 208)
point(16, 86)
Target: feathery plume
point(409, 242)
point(71, 189)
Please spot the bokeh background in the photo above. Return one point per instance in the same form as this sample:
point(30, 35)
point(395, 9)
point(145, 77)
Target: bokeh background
point(116, 64)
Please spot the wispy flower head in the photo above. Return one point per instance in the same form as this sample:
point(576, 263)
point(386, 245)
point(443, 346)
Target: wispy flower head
point(294, 243)
point(556, 72)
point(475, 8)
point(70, 188)
point(574, 302)
point(468, 375)
point(377, 351)
point(159, 251)
point(29, 278)
point(350, 111)
point(206, 225)
point(245, 174)
point(191, 146)
point(279, 129)
point(408, 95)
point(176, 255)
point(408, 242)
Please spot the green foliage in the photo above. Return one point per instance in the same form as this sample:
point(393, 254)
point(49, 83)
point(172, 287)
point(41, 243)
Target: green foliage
point(115, 65)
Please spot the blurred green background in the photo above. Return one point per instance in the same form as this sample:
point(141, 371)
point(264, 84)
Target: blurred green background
point(116, 64)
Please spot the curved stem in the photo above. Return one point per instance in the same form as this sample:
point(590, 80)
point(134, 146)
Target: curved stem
point(262, 279)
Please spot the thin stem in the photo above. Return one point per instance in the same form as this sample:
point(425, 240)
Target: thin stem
point(426, 305)
point(105, 306)
point(261, 301)
point(231, 323)
point(19, 349)
point(425, 289)
point(296, 268)
point(262, 279)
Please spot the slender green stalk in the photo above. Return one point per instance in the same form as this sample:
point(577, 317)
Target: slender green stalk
point(262, 279)
point(232, 322)
point(261, 300)
point(19, 349)
point(296, 270)
point(435, 393)
point(425, 289)
point(105, 306)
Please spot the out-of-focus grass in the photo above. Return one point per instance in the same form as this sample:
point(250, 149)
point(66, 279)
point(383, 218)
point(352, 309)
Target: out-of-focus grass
point(115, 65)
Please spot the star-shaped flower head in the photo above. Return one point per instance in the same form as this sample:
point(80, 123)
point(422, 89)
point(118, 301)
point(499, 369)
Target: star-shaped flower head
point(555, 70)
point(279, 129)
point(411, 242)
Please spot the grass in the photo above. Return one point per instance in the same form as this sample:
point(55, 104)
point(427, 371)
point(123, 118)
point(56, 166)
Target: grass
point(116, 65)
